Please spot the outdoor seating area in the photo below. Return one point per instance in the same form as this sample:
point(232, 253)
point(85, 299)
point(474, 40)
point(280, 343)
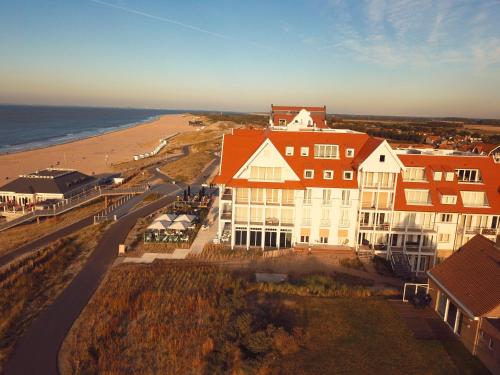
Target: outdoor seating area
point(171, 228)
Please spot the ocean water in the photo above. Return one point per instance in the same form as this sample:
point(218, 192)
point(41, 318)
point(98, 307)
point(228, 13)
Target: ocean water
point(28, 127)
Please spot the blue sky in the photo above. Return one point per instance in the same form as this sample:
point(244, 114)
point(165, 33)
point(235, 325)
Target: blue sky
point(399, 57)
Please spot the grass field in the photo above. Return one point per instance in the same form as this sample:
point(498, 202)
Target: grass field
point(31, 285)
point(189, 318)
point(17, 236)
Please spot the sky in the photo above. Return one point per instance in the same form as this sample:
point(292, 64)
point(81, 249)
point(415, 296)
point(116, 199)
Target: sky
point(381, 57)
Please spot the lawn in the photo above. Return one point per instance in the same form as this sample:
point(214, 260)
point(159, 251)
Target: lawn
point(187, 317)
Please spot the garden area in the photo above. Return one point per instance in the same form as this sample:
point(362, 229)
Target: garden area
point(186, 317)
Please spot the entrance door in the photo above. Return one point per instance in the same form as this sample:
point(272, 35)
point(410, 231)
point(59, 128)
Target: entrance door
point(285, 239)
point(270, 239)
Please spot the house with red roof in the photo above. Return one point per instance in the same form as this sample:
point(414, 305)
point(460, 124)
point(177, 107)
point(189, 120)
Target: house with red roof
point(465, 291)
point(296, 118)
point(287, 186)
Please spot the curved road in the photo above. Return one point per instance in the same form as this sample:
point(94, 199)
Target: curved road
point(36, 352)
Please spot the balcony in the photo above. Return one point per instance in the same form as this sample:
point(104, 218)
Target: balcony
point(379, 227)
point(227, 195)
point(489, 231)
point(324, 223)
point(226, 215)
point(287, 224)
point(272, 221)
point(378, 186)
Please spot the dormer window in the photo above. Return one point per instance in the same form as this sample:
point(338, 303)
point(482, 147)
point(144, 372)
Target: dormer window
point(347, 175)
point(349, 152)
point(322, 151)
point(282, 122)
point(381, 158)
point(448, 199)
point(437, 175)
point(309, 174)
point(468, 175)
point(289, 151)
point(449, 176)
point(414, 174)
point(328, 174)
point(304, 151)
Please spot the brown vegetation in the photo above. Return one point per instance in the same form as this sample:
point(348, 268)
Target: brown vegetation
point(29, 285)
point(11, 239)
point(173, 318)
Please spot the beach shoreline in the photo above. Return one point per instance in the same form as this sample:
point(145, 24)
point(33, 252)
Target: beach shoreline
point(114, 129)
point(97, 153)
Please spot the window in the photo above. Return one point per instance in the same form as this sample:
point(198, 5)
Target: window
point(344, 218)
point(325, 217)
point(308, 173)
point(347, 175)
point(449, 176)
point(272, 196)
point(349, 152)
point(326, 151)
point(448, 199)
point(287, 216)
point(241, 214)
point(265, 173)
point(282, 122)
point(307, 196)
point(446, 218)
point(323, 239)
point(444, 237)
point(346, 197)
point(272, 215)
point(289, 151)
point(241, 195)
point(304, 239)
point(304, 151)
point(328, 174)
point(474, 198)
point(287, 196)
point(256, 214)
point(240, 237)
point(417, 196)
point(438, 175)
point(306, 216)
point(414, 174)
point(256, 196)
point(327, 196)
point(381, 158)
point(255, 237)
point(468, 175)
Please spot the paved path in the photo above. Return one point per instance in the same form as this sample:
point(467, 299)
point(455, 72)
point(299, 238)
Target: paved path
point(37, 350)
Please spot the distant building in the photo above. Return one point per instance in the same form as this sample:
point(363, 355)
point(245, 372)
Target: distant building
point(294, 118)
point(466, 294)
point(302, 186)
point(51, 183)
point(433, 139)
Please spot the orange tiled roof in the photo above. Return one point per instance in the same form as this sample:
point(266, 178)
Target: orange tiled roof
point(490, 172)
point(472, 276)
point(240, 146)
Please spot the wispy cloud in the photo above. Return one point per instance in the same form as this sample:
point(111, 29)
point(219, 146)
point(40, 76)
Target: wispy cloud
point(410, 32)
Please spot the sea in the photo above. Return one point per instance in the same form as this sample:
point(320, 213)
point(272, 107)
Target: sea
point(25, 127)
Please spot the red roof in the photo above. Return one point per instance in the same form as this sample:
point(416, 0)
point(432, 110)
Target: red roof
point(471, 276)
point(288, 113)
point(241, 145)
point(490, 172)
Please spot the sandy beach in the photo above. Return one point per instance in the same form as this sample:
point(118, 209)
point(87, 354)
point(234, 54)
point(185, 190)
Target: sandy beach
point(96, 154)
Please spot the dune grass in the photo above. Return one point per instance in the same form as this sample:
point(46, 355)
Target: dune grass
point(187, 317)
point(11, 239)
point(31, 284)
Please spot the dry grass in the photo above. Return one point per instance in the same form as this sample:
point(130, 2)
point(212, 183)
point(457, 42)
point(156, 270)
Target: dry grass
point(188, 168)
point(31, 284)
point(189, 318)
point(17, 236)
point(353, 263)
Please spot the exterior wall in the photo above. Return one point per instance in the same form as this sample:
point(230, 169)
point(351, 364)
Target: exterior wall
point(466, 328)
point(489, 353)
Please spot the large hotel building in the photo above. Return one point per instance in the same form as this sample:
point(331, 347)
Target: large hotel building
point(298, 182)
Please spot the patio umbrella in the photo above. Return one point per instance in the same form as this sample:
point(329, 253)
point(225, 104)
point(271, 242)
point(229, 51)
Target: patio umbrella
point(185, 218)
point(179, 225)
point(166, 217)
point(160, 225)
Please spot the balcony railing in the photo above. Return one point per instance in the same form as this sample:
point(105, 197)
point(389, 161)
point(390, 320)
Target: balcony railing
point(324, 223)
point(226, 215)
point(227, 195)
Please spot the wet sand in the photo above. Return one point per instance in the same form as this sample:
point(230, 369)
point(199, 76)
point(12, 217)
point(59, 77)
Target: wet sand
point(95, 154)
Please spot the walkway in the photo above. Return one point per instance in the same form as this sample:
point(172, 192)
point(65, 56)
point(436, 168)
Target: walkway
point(424, 323)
